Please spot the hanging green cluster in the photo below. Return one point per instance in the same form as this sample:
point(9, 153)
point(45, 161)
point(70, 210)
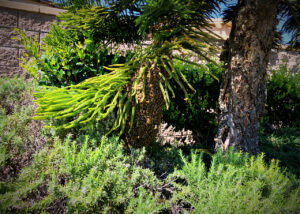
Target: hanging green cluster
point(92, 99)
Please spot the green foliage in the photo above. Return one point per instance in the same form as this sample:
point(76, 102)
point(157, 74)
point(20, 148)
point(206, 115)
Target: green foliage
point(3, 137)
point(200, 116)
point(94, 98)
point(91, 176)
point(94, 129)
point(15, 139)
point(145, 203)
point(97, 176)
point(14, 91)
point(283, 101)
point(14, 133)
point(235, 183)
point(67, 59)
point(74, 5)
point(283, 145)
point(30, 60)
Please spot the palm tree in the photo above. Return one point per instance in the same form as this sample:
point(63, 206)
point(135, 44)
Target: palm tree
point(136, 90)
point(243, 91)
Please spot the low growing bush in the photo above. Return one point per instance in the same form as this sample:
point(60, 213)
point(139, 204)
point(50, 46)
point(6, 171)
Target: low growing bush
point(19, 134)
point(97, 176)
point(283, 145)
point(90, 177)
point(234, 183)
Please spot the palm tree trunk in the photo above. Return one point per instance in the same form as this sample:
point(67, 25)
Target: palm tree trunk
point(243, 90)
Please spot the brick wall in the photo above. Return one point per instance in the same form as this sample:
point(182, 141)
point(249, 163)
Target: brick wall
point(34, 23)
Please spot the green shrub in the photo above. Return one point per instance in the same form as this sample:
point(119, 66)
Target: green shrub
point(19, 135)
point(66, 59)
point(14, 92)
point(163, 160)
point(95, 129)
point(283, 145)
point(283, 100)
point(235, 183)
point(90, 176)
point(145, 203)
point(200, 116)
point(14, 133)
point(97, 176)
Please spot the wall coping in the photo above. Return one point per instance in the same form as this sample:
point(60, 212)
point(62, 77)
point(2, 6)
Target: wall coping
point(31, 7)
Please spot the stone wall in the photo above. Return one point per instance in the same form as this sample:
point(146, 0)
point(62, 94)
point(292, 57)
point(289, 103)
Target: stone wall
point(36, 24)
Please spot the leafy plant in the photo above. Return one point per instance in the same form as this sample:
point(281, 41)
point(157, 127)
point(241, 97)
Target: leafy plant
point(108, 22)
point(66, 59)
point(77, 4)
point(200, 115)
point(145, 203)
point(97, 97)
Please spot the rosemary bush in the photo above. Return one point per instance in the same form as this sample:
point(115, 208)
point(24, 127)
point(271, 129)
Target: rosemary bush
point(90, 177)
point(235, 183)
point(19, 135)
point(97, 175)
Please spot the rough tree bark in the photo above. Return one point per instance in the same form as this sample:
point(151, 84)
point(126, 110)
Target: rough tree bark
point(243, 90)
point(148, 114)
